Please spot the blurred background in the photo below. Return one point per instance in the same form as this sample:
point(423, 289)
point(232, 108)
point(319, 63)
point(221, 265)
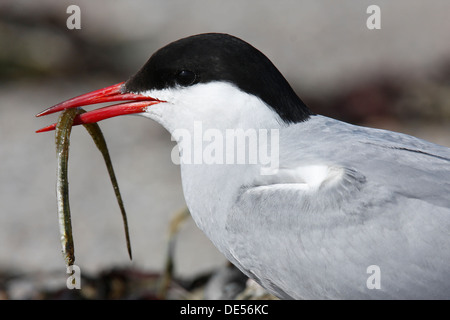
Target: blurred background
point(396, 78)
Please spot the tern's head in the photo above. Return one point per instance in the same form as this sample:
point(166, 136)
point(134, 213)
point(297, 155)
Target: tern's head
point(208, 77)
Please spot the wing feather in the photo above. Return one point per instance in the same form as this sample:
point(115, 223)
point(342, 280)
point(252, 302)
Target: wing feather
point(389, 206)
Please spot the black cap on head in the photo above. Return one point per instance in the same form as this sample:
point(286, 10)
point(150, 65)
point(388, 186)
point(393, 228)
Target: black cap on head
point(211, 57)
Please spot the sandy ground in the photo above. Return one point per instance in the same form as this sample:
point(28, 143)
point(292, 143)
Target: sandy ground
point(322, 49)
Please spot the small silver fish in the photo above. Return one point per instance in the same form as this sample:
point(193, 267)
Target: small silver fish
point(62, 140)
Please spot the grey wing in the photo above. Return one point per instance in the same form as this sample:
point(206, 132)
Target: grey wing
point(381, 199)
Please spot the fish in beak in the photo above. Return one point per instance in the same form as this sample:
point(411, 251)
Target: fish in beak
point(135, 103)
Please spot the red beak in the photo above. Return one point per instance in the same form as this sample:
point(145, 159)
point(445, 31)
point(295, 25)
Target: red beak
point(138, 104)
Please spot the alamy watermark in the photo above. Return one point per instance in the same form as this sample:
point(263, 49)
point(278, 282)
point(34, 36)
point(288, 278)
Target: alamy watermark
point(229, 146)
point(374, 280)
point(74, 280)
point(74, 20)
point(373, 22)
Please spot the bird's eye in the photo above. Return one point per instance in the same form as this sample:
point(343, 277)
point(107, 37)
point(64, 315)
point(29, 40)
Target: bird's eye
point(185, 77)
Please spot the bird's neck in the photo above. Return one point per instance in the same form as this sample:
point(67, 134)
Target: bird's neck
point(210, 190)
point(217, 163)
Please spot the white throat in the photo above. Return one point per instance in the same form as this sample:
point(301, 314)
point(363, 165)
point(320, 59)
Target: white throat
point(219, 105)
point(218, 108)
